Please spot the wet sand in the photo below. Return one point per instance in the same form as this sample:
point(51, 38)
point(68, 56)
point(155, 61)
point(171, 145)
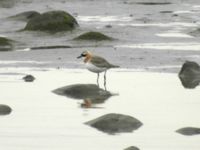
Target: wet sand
point(149, 37)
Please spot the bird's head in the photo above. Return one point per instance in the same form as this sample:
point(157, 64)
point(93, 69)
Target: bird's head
point(85, 54)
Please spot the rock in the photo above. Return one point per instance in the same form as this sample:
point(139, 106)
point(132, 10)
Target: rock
point(5, 109)
point(25, 16)
point(84, 92)
point(29, 78)
point(195, 33)
point(166, 12)
point(189, 131)
point(115, 123)
point(190, 74)
point(50, 47)
point(5, 44)
point(132, 148)
point(52, 21)
point(93, 36)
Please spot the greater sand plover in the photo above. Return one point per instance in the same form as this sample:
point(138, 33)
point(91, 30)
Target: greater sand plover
point(96, 64)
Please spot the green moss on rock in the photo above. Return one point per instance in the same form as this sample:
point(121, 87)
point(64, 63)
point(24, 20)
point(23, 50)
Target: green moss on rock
point(96, 36)
point(54, 21)
point(5, 44)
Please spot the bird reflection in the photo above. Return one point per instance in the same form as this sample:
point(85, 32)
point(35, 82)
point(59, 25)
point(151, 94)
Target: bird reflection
point(190, 74)
point(91, 94)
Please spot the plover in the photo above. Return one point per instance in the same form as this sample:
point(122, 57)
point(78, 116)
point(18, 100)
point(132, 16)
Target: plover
point(96, 64)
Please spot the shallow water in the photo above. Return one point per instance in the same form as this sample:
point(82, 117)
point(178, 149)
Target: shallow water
point(43, 120)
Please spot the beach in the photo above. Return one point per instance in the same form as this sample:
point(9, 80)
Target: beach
point(151, 41)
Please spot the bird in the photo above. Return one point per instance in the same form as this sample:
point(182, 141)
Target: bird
point(96, 64)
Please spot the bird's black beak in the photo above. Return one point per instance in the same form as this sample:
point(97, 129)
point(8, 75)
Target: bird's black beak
point(79, 56)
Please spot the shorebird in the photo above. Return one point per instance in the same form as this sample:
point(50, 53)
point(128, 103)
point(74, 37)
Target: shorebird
point(96, 64)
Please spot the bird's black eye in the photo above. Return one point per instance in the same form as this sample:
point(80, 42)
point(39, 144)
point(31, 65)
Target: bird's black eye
point(83, 55)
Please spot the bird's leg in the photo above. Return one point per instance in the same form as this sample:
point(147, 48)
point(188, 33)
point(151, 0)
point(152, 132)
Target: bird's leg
point(98, 79)
point(105, 81)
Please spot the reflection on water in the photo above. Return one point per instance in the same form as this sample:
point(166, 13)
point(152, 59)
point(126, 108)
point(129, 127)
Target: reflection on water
point(89, 93)
point(190, 74)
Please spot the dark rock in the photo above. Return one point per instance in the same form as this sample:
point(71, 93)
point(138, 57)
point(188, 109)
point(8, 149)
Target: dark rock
point(5, 109)
point(29, 78)
point(84, 92)
point(166, 12)
point(190, 74)
point(132, 148)
point(52, 21)
point(93, 36)
point(50, 47)
point(195, 33)
point(189, 131)
point(115, 123)
point(5, 44)
point(25, 16)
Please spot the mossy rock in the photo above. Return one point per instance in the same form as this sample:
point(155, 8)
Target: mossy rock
point(25, 16)
point(52, 21)
point(5, 109)
point(115, 123)
point(5, 44)
point(189, 131)
point(93, 36)
point(132, 148)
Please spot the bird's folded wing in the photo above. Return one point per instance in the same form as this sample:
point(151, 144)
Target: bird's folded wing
point(100, 62)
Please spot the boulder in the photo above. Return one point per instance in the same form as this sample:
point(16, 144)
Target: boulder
point(189, 131)
point(132, 148)
point(5, 44)
point(25, 16)
point(52, 21)
point(5, 109)
point(190, 74)
point(29, 78)
point(93, 36)
point(115, 123)
point(84, 91)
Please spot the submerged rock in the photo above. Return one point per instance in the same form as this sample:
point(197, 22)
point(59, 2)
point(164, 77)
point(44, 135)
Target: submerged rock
point(25, 16)
point(29, 78)
point(5, 44)
point(115, 123)
point(189, 131)
point(93, 36)
point(132, 148)
point(190, 74)
point(52, 21)
point(89, 92)
point(5, 109)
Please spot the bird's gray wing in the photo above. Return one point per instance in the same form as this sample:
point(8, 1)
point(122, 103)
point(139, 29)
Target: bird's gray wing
point(100, 62)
